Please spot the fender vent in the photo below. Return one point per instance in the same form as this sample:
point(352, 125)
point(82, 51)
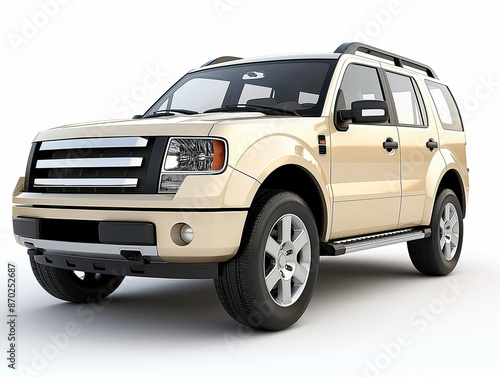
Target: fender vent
point(322, 144)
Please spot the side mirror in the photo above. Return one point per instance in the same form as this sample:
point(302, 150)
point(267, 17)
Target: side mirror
point(365, 111)
point(137, 117)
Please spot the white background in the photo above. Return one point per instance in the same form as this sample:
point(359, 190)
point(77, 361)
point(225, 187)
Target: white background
point(81, 61)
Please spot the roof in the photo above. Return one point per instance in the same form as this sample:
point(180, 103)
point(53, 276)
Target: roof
point(346, 48)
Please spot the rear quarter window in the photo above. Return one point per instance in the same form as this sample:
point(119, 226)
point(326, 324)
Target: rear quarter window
point(446, 106)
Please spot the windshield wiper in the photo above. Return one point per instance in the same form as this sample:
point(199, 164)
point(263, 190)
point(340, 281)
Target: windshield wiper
point(269, 110)
point(170, 112)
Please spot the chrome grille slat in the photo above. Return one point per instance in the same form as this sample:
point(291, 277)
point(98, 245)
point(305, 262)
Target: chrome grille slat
point(113, 162)
point(86, 182)
point(112, 142)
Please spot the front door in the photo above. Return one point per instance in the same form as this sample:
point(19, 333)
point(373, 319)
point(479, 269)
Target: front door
point(365, 176)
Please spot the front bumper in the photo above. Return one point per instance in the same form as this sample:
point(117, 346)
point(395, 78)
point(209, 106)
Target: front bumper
point(127, 262)
point(217, 233)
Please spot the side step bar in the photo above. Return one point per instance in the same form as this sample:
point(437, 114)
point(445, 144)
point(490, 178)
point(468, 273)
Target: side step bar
point(350, 245)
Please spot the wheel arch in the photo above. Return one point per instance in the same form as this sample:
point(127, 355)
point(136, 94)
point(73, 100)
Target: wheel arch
point(452, 180)
point(284, 162)
point(449, 178)
point(300, 181)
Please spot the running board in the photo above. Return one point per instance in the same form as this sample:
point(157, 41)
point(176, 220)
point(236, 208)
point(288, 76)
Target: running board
point(344, 246)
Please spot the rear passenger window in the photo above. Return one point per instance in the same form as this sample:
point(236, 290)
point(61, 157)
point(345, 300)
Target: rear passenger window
point(359, 83)
point(407, 100)
point(445, 106)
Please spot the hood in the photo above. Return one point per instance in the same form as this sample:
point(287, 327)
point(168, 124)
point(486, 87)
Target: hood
point(178, 125)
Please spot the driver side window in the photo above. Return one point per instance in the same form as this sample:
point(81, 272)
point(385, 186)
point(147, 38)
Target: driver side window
point(359, 83)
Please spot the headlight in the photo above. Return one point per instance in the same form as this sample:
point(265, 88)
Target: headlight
point(187, 156)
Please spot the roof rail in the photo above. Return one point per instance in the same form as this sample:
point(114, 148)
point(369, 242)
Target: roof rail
point(399, 61)
point(221, 59)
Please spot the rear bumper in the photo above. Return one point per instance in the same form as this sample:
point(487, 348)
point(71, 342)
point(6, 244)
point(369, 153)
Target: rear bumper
point(120, 234)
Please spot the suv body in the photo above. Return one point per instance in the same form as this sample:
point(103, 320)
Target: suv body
point(244, 172)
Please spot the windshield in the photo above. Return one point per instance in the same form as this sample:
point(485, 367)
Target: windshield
point(292, 87)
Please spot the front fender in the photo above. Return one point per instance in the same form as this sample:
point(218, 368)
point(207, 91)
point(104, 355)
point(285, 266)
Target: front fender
point(259, 146)
point(270, 153)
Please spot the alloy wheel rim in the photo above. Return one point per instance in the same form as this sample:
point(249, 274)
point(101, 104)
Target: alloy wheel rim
point(287, 260)
point(449, 231)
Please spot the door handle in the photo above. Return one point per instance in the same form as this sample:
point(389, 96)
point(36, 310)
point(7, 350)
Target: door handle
point(390, 144)
point(431, 144)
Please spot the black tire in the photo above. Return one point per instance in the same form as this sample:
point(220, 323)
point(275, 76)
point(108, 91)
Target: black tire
point(427, 255)
point(242, 286)
point(66, 285)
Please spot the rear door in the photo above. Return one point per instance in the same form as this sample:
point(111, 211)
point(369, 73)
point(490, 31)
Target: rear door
point(418, 143)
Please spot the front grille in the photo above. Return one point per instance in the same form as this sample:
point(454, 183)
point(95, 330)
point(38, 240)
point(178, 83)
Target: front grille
point(119, 165)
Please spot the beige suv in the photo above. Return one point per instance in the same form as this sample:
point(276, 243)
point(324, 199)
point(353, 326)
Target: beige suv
point(245, 172)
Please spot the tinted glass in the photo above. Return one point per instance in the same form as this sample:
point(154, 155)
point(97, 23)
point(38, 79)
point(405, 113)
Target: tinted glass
point(251, 92)
point(445, 106)
point(193, 94)
point(299, 85)
point(405, 99)
point(359, 83)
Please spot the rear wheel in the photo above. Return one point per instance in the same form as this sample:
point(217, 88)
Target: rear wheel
point(439, 254)
point(74, 286)
point(270, 282)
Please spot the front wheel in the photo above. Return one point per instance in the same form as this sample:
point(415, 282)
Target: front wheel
point(438, 255)
point(270, 282)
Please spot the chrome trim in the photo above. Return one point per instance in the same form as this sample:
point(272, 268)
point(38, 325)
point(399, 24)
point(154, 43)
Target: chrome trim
point(107, 142)
point(192, 172)
point(83, 249)
point(114, 162)
point(86, 182)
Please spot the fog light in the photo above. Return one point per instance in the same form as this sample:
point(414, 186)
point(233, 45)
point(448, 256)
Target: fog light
point(182, 234)
point(187, 234)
